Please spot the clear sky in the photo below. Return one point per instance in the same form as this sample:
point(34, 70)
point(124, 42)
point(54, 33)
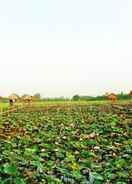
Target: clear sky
point(65, 47)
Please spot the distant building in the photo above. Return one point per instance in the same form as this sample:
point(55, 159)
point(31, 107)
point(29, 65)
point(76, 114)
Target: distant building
point(113, 97)
point(130, 94)
point(12, 99)
point(27, 99)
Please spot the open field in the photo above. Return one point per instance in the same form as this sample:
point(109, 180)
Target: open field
point(76, 143)
point(4, 105)
point(50, 103)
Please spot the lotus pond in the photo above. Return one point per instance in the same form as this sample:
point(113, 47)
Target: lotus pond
point(79, 145)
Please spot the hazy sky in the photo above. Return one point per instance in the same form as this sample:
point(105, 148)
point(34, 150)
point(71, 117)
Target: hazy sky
point(64, 47)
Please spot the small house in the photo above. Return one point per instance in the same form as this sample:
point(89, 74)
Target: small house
point(113, 97)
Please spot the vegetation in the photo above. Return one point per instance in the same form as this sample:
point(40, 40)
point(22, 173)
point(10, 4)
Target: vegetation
point(66, 144)
point(52, 102)
point(121, 96)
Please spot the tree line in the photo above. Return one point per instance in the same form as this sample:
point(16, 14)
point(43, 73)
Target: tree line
point(120, 96)
point(76, 97)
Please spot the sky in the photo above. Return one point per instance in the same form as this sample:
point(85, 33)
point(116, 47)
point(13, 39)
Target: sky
point(65, 47)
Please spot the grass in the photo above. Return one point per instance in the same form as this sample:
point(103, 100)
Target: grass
point(4, 106)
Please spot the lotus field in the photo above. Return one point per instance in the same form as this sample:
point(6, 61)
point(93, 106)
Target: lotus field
point(77, 144)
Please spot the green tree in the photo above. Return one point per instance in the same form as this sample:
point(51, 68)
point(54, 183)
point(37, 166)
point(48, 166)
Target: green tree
point(37, 96)
point(76, 97)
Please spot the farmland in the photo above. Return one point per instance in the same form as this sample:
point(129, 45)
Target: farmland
point(68, 102)
point(88, 143)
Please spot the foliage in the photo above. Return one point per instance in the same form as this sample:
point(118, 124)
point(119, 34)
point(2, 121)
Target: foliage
point(121, 96)
point(76, 97)
point(76, 144)
point(37, 96)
